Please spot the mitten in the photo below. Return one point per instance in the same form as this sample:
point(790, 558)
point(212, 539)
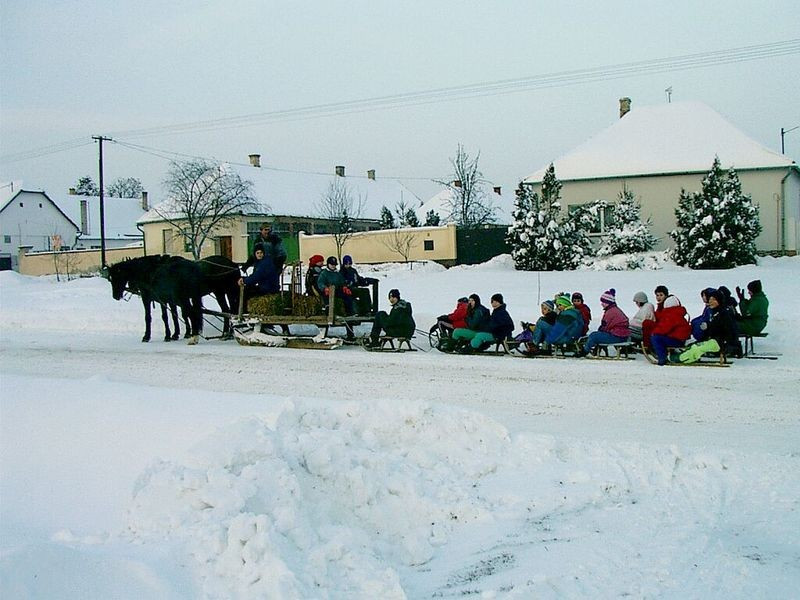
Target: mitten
point(346, 291)
point(703, 326)
point(326, 291)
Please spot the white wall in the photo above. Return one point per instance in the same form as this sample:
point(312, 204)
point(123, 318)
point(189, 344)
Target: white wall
point(30, 219)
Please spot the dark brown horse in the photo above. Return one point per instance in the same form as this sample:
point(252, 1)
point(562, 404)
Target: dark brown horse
point(169, 280)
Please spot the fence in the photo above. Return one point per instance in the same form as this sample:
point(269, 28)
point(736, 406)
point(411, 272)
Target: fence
point(70, 263)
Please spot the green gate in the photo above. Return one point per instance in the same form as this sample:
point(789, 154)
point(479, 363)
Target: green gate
point(478, 245)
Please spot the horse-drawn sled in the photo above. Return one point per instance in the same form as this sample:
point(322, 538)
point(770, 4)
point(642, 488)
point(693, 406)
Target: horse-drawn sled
point(294, 319)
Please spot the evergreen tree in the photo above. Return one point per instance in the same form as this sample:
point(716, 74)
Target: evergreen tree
point(626, 233)
point(541, 240)
point(387, 219)
point(86, 187)
point(432, 218)
point(717, 226)
point(410, 218)
point(518, 234)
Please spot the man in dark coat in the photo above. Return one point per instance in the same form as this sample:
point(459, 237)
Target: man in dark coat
point(398, 322)
point(264, 279)
point(273, 248)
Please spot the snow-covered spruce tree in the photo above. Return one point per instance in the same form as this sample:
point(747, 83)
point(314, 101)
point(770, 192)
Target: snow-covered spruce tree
point(387, 219)
point(547, 240)
point(718, 226)
point(432, 218)
point(518, 234)
point(576, 243)
point(627, 234)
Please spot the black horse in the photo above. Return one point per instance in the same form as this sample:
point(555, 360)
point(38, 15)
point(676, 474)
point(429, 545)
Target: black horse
point(169, 280)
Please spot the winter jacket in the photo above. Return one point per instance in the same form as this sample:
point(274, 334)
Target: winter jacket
point(328, 277)
point(754, 314)
point(478, 319)
point(615, 322)
point(400, 322)
point(722, 328)
point(351, 277)
point(500, 324)
point(672, 322)
point(645, 312)
point(568, 327)
point(458, 318)
point(586, 313)
point(273, 249)
point(265, 277)
point(312, 277)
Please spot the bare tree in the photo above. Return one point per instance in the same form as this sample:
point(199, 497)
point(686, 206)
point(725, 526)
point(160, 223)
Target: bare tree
point(469, 204)
point(203, 196)
point(401, 240)
point(125, 187)
point(341, 207)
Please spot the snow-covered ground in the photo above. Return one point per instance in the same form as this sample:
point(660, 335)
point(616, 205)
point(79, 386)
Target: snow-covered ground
point(160, 470)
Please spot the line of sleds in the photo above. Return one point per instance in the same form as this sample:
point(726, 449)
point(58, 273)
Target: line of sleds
point(618, 351)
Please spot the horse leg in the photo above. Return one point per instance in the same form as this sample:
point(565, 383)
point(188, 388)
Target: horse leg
point(186, 322)
point(173, 309)
point(195, 310)
point(165, 319)
point(146, 302)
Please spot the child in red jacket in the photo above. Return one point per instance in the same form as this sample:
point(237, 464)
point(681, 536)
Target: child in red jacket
point(672, 328)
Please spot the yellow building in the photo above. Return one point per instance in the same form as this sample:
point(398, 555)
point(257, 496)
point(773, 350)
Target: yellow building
point(658, 151)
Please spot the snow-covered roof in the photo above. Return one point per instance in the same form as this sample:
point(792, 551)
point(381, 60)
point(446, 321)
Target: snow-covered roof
point(440, 203)
point(672, 138)
point(296, 194)
point(121, 214)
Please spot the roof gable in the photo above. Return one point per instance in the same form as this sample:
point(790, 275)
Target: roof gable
point(120, 214)
point(46, 197)
point(671, 138)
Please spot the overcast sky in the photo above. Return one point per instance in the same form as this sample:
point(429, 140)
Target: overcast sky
point(73, 69)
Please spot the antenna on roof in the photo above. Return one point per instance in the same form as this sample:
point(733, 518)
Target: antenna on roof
point(669, 94)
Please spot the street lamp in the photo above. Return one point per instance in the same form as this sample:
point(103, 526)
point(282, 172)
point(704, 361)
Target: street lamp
point(783, 133)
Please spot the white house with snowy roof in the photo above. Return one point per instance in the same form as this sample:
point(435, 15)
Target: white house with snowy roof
point(119, 215)
point(289, 201)
point(657, 151)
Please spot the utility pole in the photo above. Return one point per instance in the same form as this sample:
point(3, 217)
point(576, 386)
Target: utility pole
point(783, 133)
point(100, 139)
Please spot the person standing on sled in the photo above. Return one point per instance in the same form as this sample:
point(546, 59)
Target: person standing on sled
point(500, 327)
point(398, 322)
point(477, 321)
point(671, 328)
point(614, 327)
point(720, 332)
point(754, 311)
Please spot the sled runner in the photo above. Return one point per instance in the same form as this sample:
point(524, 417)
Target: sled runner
point(700, 363)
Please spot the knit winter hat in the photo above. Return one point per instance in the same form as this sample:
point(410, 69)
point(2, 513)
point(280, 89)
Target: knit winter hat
point(609, 297)
point(463, 299)
point(317, 259)
point(549, 304)
point(640, 297)
point(497, 298)
point(394, 293)
point(564, 302)
point(258, 246)
point(755, 286)
point(332, 260)
point(720, 297)
point(577, 296)
point(347, 259)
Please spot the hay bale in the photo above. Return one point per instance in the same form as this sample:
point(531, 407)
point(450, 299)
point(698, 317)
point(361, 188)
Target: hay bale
point(270, 305)
point(306, 306)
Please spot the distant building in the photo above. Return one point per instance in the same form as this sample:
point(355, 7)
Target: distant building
point(657, 151)
point(442, 204)
point(120, 216)
point(288, 200)
point(31, 218)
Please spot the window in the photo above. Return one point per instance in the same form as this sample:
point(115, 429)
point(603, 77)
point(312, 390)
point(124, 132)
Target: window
point(6, 239)
point(603, 219)
point(428, 245)
point(166, 241)
point(40, 205)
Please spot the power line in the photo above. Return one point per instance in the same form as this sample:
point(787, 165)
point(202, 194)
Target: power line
point(558, 79)
point(45, 150)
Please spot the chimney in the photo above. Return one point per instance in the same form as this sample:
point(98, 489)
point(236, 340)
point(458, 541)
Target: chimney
point(340, 170)
point(84, 217)
point(255, 160)
point(371, 174)
point(145, 203)
point(457, 183)
point(72, 191)
point(497, 190)
point(624, 106)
